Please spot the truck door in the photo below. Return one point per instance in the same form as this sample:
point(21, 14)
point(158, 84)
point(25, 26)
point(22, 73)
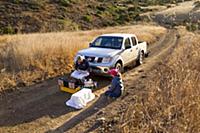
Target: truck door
point(128, 52)
point(135, 48)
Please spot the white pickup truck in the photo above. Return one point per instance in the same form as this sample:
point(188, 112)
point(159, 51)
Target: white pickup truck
point(114, 51)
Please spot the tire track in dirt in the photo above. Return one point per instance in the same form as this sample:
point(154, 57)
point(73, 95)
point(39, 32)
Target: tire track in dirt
point(41, 103)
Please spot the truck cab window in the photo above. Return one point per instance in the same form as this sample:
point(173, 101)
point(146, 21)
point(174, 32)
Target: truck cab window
point(134, 41)
point(127, 43)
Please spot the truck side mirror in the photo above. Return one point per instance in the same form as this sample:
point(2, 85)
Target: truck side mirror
point(90, 44)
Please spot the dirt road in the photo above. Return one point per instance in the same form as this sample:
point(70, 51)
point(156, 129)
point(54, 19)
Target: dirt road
point(181, 14)
point(41, 108)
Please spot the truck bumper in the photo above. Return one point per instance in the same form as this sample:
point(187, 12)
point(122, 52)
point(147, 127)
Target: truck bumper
point(100, 70)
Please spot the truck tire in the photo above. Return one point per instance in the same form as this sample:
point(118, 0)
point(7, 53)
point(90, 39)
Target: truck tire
point(140, 58)
point(119, 67)
point(147, 54)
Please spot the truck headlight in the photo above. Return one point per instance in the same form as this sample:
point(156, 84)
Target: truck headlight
point(107, 59)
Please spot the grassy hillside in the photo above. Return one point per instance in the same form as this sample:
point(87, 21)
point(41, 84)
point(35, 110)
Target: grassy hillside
point(26, 16)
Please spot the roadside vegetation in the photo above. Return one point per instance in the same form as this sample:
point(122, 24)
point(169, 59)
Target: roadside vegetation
point(32, 58)
point(171, 102)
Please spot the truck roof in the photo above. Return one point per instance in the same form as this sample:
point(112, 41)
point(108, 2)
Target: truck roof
point(118, 35)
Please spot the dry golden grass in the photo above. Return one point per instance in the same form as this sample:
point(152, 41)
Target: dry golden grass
point(171, 102)
point(26, 59)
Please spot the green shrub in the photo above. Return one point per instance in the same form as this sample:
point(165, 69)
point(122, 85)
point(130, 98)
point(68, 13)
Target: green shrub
point(7, 30)
point(16, 1)
point(87, 18)
point(65, 2)
point(101, 8)
point(192, 26)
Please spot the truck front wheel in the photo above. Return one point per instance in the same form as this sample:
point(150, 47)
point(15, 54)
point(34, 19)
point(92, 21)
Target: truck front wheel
point(119, 67)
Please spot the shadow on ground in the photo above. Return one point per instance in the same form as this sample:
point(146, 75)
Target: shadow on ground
point(52, 106)
point(102, 102)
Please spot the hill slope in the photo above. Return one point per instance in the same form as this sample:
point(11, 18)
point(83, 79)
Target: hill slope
point(25, 16)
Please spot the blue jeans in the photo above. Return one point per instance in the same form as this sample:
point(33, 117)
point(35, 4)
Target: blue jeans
point(112, 94)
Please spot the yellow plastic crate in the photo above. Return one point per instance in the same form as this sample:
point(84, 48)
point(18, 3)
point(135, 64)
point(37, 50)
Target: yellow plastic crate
point(69, 90)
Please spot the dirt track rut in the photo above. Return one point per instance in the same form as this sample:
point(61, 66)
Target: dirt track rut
point(41, 108)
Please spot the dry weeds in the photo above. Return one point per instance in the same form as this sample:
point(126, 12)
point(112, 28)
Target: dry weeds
point(172, 104)
point(31, 58)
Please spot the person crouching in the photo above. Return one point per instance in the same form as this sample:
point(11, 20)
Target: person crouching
point(116, 88)
point(81, 68)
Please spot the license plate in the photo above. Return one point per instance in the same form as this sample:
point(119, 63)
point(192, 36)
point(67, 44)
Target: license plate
point(60, 83)
point(71, 85)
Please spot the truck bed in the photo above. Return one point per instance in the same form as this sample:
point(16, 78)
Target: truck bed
point(143, 46)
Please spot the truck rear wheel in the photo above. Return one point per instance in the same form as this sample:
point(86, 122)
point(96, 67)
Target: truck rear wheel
point(140, 58)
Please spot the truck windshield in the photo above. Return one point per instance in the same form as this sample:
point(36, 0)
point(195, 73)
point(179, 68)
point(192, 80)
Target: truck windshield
point(108, 42)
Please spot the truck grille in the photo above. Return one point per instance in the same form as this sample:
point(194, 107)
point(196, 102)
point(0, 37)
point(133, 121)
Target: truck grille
point(89, 58)
point(99, 60)
point(92, 59)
